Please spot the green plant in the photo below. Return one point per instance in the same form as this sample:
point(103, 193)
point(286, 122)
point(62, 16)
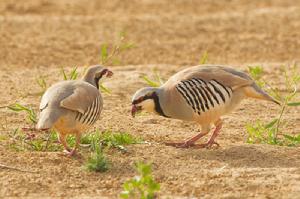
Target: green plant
point(156, 81)
point(142, 186)
point(73, 75)
point(31, 115)
point(270, 133)
point(110, 53)
point(3, 137)
point(204, 58)
point(256, 72)
point(109, 139)
point(118, 140)
point(98, 141)
point(262, 133)
point(97, 160)
point(31, 141)
point(292, 140)
point(266, 134)
point(42, 83)
point(103, 88)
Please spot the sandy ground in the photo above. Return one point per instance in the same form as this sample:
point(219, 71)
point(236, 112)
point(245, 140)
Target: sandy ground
point(38, 37)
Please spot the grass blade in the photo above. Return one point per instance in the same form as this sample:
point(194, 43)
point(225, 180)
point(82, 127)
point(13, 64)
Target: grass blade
point(104, 89)
point(204, 58)
point(150, 82)
point(104, 53)
point(293, 104)
point(64, 73)
point(271, 124)
point(74, 74)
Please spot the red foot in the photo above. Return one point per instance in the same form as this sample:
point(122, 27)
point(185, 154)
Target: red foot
point(69, 152)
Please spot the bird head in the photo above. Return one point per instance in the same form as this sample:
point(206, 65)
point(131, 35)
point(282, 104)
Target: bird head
point(143, 99)
point(95, 73)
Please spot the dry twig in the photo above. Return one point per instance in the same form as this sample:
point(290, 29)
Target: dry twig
point(16, 169)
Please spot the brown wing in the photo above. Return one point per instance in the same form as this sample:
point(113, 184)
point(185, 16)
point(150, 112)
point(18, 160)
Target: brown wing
point(227, 76)
point(83, 96)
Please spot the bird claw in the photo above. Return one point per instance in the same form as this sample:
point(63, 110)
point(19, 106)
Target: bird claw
point(69, 152)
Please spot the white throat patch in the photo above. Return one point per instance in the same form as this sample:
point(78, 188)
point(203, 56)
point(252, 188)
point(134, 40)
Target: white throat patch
point(148, 105)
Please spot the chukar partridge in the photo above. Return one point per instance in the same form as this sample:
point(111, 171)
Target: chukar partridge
point(73, 106)
point(202, 94)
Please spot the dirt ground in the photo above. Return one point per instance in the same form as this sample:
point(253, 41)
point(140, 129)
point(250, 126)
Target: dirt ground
point(38, 37)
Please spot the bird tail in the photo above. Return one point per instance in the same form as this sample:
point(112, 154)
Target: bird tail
point(46, 120)
point(256, 92)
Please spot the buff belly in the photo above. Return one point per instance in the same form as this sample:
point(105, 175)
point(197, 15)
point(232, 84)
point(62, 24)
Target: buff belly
point(66, 125)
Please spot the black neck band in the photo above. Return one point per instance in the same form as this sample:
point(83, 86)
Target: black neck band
point(97, 79)
point(158, 108)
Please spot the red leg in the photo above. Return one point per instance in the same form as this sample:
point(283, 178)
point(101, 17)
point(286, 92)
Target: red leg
point(73, 151)
point(211, 141)
point(62, 140)
point(189, 143)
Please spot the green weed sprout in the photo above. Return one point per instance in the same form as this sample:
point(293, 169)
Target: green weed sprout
point(109, 139)
point(110, 54)
point(73, 75)
point(155, 82)
point(142, 186)
point(268, 133)
point(256, 72)
point(292, 140)
point(42, 84)
point(204, 58)
point(118, 140)
point(97, 161)
point(29, 141)
point(31, 115)
point(98, 141)
point(104, 89)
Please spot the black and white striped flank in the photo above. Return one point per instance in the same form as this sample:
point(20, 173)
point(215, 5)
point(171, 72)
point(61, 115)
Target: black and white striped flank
point(91, 115)
point(203, 96)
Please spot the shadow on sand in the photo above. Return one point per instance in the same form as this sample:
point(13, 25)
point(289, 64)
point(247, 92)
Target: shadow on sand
point(251, 156)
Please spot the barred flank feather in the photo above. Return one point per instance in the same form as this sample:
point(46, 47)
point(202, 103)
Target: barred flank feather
point(91, 115)
point(202, 96)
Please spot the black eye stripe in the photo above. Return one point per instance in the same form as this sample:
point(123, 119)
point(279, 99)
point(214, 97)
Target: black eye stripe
point(155, 98)
point(143, 98)
point(137, 101)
